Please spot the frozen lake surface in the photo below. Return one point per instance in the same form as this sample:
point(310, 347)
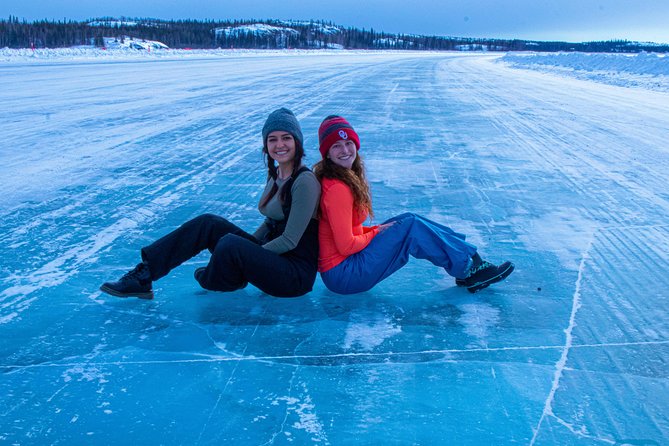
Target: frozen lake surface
point(566, 177)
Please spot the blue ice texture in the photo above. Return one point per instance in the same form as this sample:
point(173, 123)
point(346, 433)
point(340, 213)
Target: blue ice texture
point(566, 178)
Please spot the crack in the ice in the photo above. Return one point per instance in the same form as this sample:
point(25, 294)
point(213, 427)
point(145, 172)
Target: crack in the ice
point(383, 357)
point(227, 383)
point(562, 362)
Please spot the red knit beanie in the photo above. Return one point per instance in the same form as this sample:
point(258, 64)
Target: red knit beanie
point(332, 129)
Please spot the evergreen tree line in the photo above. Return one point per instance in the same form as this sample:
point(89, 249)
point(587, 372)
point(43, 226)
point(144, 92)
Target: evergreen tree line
point(204, 34)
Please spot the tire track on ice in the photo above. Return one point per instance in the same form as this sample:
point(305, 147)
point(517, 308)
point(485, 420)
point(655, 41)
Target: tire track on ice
point(628, 233)
point(628, 164)
point(549, 137)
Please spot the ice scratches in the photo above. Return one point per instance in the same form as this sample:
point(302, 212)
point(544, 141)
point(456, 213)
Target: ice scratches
point(562, 362)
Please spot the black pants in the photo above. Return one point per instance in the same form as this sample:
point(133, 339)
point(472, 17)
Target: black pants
point(237, 258)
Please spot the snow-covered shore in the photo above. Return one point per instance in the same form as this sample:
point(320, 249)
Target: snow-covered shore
point(83, 54)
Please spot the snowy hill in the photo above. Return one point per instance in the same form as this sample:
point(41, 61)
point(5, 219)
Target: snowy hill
point(127, 42)
point(391, 42)
point(280, 34)
point(257, 29)
point(315, 26)
point(113, 23)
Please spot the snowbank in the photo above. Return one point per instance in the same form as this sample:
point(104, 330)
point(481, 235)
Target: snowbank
point(643, 70)
point(113, 54)
point(92, 54)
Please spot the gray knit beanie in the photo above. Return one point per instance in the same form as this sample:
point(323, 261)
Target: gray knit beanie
point(283, 120)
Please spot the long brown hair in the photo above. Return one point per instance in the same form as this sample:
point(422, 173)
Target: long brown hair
point(354, 178)
point(272, 169)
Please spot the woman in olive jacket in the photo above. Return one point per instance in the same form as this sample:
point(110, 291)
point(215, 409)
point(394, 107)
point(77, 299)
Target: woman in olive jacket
point(280, 258)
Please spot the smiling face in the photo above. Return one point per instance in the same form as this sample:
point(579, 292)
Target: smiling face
point(343, 153)
point(281, 147)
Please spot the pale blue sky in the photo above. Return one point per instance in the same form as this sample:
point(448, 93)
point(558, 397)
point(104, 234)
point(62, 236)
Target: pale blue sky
point(570, 20)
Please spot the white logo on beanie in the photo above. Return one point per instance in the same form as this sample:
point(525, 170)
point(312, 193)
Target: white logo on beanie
point(343, 134)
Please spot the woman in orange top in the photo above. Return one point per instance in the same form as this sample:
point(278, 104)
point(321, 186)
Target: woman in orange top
point(353, 258)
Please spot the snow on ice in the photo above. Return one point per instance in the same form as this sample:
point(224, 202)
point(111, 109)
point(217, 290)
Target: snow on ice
point(558, 162)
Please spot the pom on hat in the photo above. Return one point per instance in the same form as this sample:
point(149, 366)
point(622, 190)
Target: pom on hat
point(332, 129)
point(282, 120)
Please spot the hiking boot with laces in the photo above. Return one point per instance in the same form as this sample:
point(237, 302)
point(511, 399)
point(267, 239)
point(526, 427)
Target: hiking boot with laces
point(135, 283)
point(484, 274)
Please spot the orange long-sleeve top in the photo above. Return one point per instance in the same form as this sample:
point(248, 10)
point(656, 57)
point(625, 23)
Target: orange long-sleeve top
point(340, 229)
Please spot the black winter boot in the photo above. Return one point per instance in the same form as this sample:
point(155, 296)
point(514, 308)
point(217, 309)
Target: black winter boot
point(483, 274)
point(135, 283)
point(199, 272)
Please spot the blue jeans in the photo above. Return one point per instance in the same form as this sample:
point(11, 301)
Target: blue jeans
point(390, 250)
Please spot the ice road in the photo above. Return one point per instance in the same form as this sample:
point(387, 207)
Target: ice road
point(566, 177)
